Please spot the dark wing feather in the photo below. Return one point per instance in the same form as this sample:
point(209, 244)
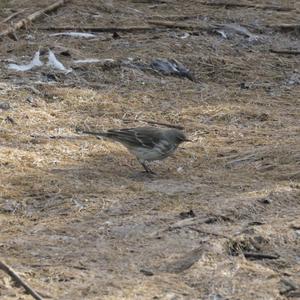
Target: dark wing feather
point(146, 137)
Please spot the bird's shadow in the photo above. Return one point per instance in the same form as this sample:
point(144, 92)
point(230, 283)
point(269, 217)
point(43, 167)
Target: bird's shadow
point(143, 176)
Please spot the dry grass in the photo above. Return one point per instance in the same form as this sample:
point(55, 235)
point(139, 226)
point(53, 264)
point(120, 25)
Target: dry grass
point(77, 219)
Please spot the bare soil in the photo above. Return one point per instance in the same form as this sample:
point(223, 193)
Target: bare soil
point(221, 219)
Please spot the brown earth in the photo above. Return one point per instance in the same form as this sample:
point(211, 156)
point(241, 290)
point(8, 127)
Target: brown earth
point(78, 219)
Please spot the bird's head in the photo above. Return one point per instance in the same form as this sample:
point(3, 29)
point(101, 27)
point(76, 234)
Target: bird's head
point(178, 136)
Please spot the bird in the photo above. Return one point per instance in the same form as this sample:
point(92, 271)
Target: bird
point(147, 143)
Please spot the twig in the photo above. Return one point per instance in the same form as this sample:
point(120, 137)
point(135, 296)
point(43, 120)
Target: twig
point(13, 15)
point(170, 24)
point(208, 232)
point(101, 29)
point(290, 176)
point(286, 27)
point(258, 6)
point(178, 225)
point(4, 267)
point(174, 17)
point(291, 286)
point(291, 52)
point(150, 1)
point(259, 255)
point(57, 137)
point(294, 294)
point(56, 265)
point(154, 123)
point(31, 88)
point(26, 21)
point(185, 223)
point(245, 159)
point(190, 223)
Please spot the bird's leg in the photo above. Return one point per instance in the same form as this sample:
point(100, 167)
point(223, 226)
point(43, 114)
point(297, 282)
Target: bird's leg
point(147, 169)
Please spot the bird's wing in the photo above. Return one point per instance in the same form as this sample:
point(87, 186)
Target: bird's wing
point(144, 136)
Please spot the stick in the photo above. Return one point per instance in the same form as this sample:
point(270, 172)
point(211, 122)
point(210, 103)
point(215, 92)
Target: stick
point(290, 176)
point(155, 123)
point(190, 224)
point(246, 159)
point(290, 284)
point(170, 24)
point(258, 6)
point(4, 267)
point(185, 223)
point(294, 294)
point(97, 134)
point(178, 225)
point(259, 255)
point(101, 29)
point(291, 52)
point(57, 137)
point(13, 15)
point(150, 1)
point(286, 27)
point(26, 21)
point(207, 232)
point(174, 17)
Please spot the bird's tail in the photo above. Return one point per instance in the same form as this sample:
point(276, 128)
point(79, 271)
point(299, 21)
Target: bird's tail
point(79, 130)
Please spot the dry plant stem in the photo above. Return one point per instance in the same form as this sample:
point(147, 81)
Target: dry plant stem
point(26, 21)
point(259, 255)
point(13, 15)
point(58, 137)
point(285, 27)
point(291, 52)
point(258, 6)
point(207, 232)
point(4, 267)
point(154, 123)
point(169, 24)
point(174, 17)
point(248, 158)
point(178, 225)
point(190, 223)
point(101, 29)
point(150, 1)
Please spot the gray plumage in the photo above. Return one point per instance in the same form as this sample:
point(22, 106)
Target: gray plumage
point(146, 143)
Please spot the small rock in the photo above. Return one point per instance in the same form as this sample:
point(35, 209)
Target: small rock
point(9, 206)
point(147, 272)
point(179, 169)
point(116, 36)
point(215, 297)
point(29, 99)
point(187, 214)
point(265, 201)
point(244, 86)
point(4, 105)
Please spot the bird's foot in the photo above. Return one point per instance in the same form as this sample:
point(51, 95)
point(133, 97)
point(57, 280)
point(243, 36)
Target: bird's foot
point(142, 175)
point(147, 169)
point(148, 174)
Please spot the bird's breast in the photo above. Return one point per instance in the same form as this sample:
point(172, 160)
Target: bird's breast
point(158, 152)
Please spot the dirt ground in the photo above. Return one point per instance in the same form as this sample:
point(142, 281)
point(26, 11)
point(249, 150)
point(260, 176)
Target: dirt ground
point(220, 220)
